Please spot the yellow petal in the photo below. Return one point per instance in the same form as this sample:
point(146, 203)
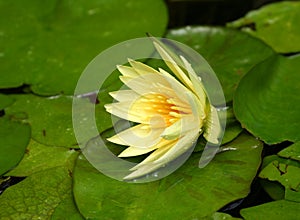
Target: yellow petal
point(148, 83)
point(183, 144)
point(143, 171)
point(142, 136)
point(164, 156)
point(135, 151)
point(124, 95)
point(173, 66)
point(123, 110)
point(172, 132)
point(127, 71)
point(162, 148)
point(212, 127)
point(196, 81)
point(174, 84)
point(198, 111)
point(141, 68)
point(181, 127)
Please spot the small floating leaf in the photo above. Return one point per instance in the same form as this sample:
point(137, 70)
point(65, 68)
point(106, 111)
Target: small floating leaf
point(14, 138)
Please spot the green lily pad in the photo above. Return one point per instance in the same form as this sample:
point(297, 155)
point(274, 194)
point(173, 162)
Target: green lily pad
point(270, 159)
point(231, 132)
point(233, 129)
point(14, 138)
point(273, 210)
point(39, 157)
point(201, 191)
point(292, 152)
point(292, 195)
point(5, 101)
point(66, 210)
point(287, 175)
point(221, 47)
point(37, 196)
point(222, 216)
point(267, 101)
point(274, 189)
point(49, 44)
point(50, 118)
point(276, 24)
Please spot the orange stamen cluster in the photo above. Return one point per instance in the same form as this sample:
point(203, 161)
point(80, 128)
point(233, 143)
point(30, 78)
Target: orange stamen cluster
point(168, 108)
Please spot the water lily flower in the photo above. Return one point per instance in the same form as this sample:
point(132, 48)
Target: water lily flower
point(170, 111)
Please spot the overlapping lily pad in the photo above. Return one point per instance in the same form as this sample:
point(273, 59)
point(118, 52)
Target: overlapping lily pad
point(201, 191)
point(232, 130)
point(51, 118)
point(5, 101)
point(276, 24)
point(221, 47)
point(287, 175)
point(39, 157)
point(48, 44)
point(274, 189)
point(284, 172)
point(267, 101)
point(281, 209)
point(292, 152)
point(66, 205)
point(14, 138)
point(37, 196)
point(222, 216)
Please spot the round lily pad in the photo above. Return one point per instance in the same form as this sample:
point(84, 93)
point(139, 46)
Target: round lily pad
point(267, 101)
point(201, 191)
point(48, 44)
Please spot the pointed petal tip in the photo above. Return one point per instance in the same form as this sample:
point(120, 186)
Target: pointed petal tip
point(133, 63)
point(108, 107)
point(112, 94)
point(113, 139)
point(130, 60)
point(122, 154)
point(119, 67)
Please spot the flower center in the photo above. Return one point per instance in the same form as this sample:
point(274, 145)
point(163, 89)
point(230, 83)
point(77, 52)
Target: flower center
point(155, 104)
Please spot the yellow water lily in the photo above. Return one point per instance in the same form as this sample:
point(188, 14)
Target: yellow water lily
point(171, 111)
